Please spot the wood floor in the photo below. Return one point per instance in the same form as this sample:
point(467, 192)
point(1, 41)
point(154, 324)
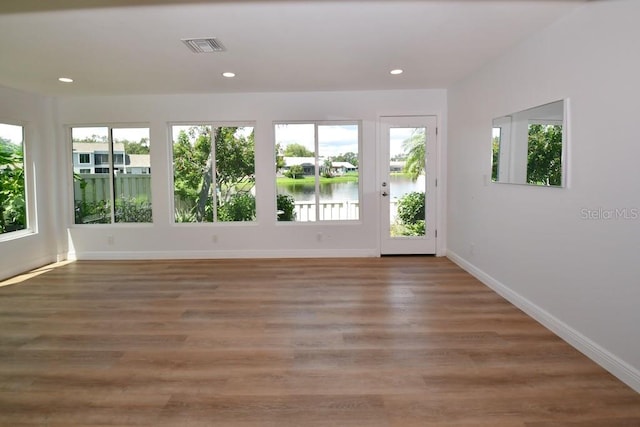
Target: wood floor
point(401, 341)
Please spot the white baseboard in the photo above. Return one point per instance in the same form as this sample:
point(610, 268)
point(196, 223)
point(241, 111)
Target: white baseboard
point(222, 254)
point(609, 361)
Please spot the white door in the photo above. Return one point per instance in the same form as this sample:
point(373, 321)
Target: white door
point(407, 186)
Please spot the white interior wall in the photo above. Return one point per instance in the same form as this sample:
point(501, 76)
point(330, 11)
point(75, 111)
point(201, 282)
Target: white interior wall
point(36, 114)
point(266, 238)
point(581, 277)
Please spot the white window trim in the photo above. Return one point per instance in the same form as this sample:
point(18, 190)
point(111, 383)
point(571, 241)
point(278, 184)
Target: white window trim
point(212, 124)
point(29, 185)
point(316, 124)
point(69, 166)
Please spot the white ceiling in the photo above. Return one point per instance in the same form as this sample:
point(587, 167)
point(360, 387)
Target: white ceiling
point(271, 45)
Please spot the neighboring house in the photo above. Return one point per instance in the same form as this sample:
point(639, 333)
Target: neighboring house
point(93, 158)
point(138, 164)
point(308, 165)
point(340, 168)
point(396, 166)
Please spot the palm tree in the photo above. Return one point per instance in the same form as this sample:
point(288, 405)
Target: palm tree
point(326, 168)
point(414, 147)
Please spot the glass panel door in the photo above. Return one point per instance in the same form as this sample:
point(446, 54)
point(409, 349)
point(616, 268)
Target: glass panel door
point(407, 188)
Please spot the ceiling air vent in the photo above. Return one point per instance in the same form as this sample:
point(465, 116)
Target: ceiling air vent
point(209, 45)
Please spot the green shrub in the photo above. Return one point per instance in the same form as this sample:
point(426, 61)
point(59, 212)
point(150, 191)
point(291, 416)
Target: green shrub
point(98, 212)
point(240, 207)
point(411, 208)
point(132, 210)
point(286, 207)
point(411, 214)
point(185, 215)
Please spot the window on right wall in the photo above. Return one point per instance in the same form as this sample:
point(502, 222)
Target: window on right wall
point(317, 171)
point(530, 146)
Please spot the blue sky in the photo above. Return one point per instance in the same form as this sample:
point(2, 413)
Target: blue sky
point(397, 137)
point(119, 133)
point(333, 139)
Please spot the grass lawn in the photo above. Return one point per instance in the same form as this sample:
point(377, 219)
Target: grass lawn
point(311, 179)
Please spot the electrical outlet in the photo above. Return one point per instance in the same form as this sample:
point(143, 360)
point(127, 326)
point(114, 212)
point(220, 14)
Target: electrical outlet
point(110, 240)
point(214, 238)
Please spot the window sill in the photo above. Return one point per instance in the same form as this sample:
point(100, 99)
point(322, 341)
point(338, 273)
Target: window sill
point(19, 234)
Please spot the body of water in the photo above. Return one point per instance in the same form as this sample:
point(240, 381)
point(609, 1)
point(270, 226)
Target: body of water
point(399, 185)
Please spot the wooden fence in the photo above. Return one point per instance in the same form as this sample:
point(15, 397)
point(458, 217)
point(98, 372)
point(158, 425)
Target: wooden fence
point(96, 187)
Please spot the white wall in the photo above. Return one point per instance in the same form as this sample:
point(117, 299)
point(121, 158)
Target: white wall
point(36, 114)
point(580, 277)
point(267, 238)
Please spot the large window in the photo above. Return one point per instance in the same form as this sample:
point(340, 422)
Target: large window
point(213, 173)
point(528, 146)
point(13, 205)
point(317, 171)
point(116, 191)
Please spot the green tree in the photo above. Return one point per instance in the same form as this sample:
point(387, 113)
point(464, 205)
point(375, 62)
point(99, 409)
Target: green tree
point(495, 157)
point(141, 147)
point(195, 176)
point(326, 168)
point(93, 138)
point(414, 147)
point(192, 172)
point(235, 162)
point(13, 212)
point(544, 160)
point(297, 150)
point(295, 172)
point(279, 158)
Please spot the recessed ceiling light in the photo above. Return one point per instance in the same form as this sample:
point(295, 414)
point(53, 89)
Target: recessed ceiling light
point(396, 71)
point(65, 80)
point(229, 74)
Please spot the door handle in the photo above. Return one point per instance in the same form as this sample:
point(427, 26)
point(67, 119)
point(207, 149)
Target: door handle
point(385, 194)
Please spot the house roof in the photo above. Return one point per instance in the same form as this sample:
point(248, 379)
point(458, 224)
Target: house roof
point(139, 161)
point(112, 47)
point(291, 161)
point(345, 165)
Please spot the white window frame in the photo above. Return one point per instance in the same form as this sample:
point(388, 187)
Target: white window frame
point(316, 124)
point(110, 127)
point(29, 186)
point(213, 125)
